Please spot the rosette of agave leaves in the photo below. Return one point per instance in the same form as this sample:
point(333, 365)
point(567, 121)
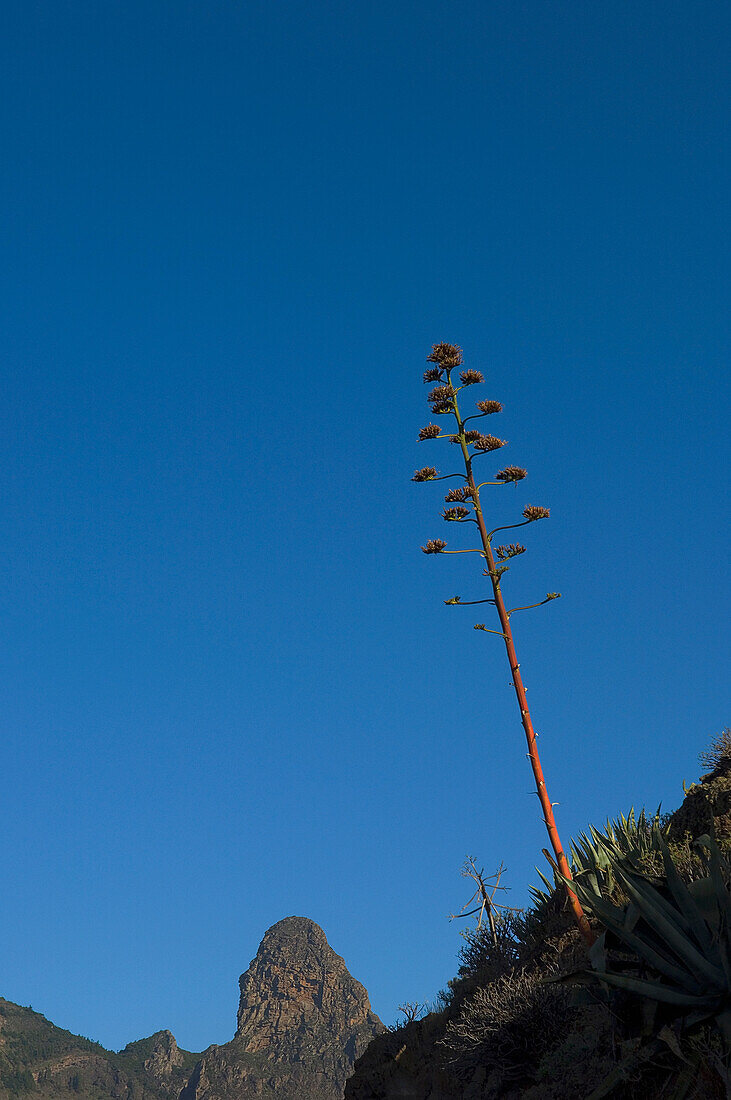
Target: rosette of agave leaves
point(673, 933)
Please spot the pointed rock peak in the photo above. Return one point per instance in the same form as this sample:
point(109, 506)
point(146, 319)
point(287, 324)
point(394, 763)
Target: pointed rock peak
point(159, 1053)
point(159, 1040)
point(298, 985)
point(302, 1022)
point(293, 928)
point(293, 935)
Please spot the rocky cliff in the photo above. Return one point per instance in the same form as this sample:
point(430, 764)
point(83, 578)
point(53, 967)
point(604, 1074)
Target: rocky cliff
point(302, 1022)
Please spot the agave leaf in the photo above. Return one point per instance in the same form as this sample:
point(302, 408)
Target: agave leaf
point(668, 1036)
point(673, 933)
point(723, 1021)
point(724, 950)
point(684, 1081)
point(590, 881)
point(632, 916)
point(714, 859)
point(716, 865)
point(638, 887)
point(656, 957)
point(656, 991)
point(684, 900)
point(549, 885)
point(704, 895)
point(610, 915)
point(598, 953)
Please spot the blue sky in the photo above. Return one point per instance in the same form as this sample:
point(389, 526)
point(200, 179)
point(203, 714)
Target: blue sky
point(231, 689)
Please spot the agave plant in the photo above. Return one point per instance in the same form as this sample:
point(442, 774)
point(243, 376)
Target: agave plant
point(632, 835)
point(678, 935)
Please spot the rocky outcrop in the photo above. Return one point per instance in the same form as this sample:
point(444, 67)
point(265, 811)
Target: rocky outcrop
point(302, 1022)
point(160, 1057)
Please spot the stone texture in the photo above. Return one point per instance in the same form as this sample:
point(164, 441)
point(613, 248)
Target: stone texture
point(302, 1022)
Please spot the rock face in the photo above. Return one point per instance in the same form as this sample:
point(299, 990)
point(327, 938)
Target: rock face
point(302, 1022)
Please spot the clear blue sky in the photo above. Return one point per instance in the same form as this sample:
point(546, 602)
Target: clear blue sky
point(231, 690)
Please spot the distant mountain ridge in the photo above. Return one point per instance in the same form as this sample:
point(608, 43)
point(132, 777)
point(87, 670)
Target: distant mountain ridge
point(42, 1060)
point(302, 1022)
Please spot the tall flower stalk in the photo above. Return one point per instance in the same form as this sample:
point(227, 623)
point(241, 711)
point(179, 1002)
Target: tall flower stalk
point(465, 507)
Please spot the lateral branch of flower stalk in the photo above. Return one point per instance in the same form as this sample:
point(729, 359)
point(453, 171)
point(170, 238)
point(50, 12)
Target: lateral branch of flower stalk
point(440, 477)
point(456, 601)
point(481, 626)
point(549, 596)
point(508, 527)
point(447, 358)
point(482, 552)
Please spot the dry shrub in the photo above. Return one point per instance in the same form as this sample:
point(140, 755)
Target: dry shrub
point(509, 1024)
point(484, 956)
point(718, 753)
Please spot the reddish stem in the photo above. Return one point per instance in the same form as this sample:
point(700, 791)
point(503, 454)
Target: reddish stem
point(525, 717)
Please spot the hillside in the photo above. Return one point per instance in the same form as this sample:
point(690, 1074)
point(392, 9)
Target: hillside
point(505, 1030)
point(39, 1059)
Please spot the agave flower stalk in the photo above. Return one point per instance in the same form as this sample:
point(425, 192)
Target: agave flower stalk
point(443, 399)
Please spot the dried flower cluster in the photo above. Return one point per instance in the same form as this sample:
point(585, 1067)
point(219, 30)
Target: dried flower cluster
point(488, 443)
point(534, 511)
point(426, 473)
point(441, 399)
point(440, 394)
point(447, 356)
point(458, 494)
point(511, 550)
point(458, 513)
point(511, 473)
point(434, 546)
point(431, 431)
point(489, 406)
point(470, 377)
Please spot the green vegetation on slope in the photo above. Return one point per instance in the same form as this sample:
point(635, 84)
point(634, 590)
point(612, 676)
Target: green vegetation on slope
point(42, 1060)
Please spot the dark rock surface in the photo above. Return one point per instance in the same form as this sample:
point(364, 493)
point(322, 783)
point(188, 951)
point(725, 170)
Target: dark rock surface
point(302, 1022)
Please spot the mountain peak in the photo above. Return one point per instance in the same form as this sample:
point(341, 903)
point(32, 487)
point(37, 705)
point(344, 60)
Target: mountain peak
point(297, 987)
point(302, 1021)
